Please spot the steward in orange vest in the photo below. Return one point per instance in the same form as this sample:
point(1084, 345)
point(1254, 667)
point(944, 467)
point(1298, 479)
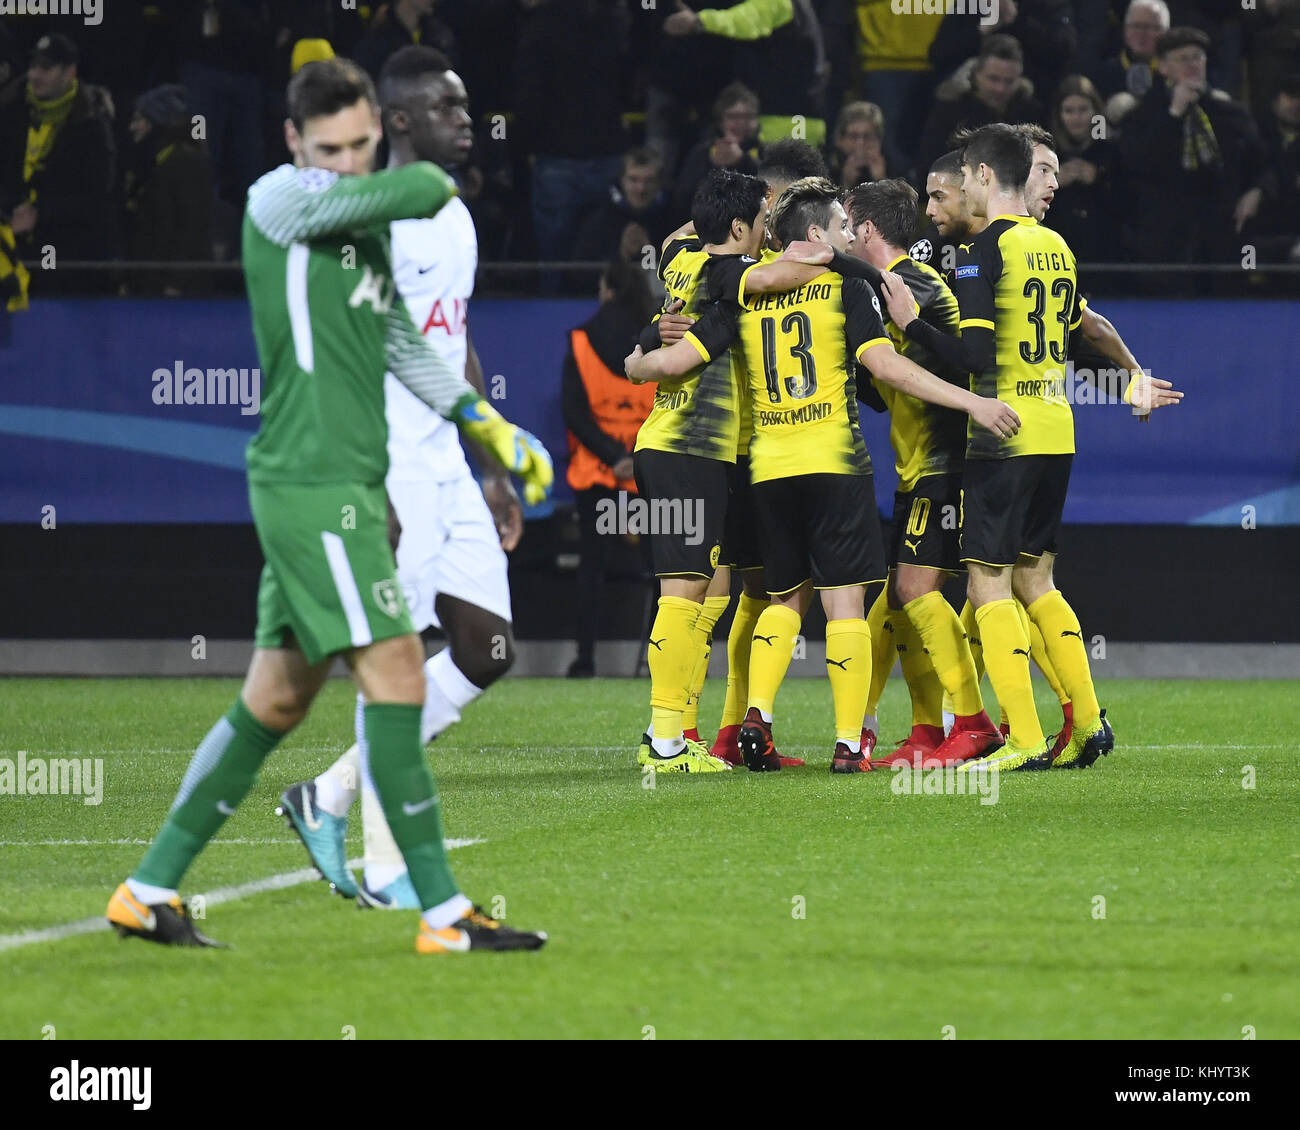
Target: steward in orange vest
point(602, 408)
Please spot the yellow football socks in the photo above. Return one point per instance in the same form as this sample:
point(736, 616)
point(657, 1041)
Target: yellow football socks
point(774, 636)
point(1006, 655)
point(848, 666)
point(1063, 642)
point(918, 672)
point(671, 656)
point(1038, 652)
point(710, 612)
point(739, 642)
point(882, 649)
point(941, 632)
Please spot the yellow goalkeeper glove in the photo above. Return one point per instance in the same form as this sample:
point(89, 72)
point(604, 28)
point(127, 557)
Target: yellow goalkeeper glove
point(519, 452)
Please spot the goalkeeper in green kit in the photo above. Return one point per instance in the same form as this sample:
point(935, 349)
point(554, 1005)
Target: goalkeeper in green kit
point(329, 322)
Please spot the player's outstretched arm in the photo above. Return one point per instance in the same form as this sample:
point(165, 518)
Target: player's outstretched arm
point(424, 371)
point(289, 205)
point(1145, 392)
point(887, 365)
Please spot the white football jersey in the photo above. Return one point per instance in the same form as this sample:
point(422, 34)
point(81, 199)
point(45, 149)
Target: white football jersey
point(434, 262)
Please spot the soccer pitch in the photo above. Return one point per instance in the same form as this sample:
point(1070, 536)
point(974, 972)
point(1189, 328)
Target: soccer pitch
point(1151, 897)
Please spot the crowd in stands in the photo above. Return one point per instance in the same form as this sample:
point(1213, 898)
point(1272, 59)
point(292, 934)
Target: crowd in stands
point(1177, 121)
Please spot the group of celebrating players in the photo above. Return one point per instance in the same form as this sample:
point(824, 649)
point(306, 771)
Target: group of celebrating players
point(772, 332)
point(358, 282)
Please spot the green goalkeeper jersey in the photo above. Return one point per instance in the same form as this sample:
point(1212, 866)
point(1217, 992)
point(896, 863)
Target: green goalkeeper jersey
point(328, 320)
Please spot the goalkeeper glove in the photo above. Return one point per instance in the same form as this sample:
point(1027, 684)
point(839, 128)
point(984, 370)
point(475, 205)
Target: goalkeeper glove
point(519, 452)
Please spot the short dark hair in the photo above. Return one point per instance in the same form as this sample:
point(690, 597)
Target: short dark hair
point(409, 64)
point(890, 205)
point(949, 165)
point(790, 160)
point(1290, 86)
point(325, 87)
point(1037, 135)
point(1003, 148)
point(722, 196)
point(1000, 46)
point(1177, 37)
point(799, 207)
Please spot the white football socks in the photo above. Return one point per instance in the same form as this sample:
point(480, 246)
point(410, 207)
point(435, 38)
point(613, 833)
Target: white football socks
point(149, 894)
point(446, 692)
point(445, 913)
point(337, 787)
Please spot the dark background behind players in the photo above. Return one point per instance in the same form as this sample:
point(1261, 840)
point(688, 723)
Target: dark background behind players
point(563, 88)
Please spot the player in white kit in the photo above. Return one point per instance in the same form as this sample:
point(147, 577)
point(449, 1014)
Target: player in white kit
point(451, 554)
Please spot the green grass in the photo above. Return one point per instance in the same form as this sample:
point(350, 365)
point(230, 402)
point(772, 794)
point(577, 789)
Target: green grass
point(673, 907)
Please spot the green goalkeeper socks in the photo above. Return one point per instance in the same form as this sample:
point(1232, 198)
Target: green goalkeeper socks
point(409, 797)
point(222, 771)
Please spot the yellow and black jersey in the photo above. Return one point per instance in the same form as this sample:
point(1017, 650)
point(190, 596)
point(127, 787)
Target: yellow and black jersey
point(697, 414)
point(1017, 288)
point(797, 348)
point(927, 439)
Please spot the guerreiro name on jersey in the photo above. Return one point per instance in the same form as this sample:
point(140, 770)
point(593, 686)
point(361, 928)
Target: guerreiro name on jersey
point(798, 348)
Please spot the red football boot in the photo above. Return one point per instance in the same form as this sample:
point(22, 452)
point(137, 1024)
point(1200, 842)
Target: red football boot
point(755, 740)
point(868, 745)
point(788, 762)
point(973, 736)
point(920, 743)
point(726, 746)
point(1067, 729)
point(845, 760)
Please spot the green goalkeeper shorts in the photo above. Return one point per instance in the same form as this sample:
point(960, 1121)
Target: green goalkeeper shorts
point(330, 578)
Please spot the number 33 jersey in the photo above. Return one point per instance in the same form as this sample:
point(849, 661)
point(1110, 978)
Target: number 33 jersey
point(1017, 280)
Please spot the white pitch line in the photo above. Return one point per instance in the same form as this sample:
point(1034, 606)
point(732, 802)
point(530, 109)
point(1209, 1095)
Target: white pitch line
point(212, 898)
point(138, 842)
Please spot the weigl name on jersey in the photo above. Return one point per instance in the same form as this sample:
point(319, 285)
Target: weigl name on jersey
point(1046, 261)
